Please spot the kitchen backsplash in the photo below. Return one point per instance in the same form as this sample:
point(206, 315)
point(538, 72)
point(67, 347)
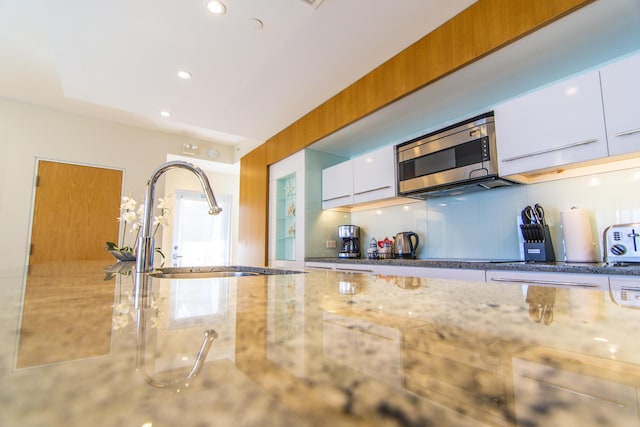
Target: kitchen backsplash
point(484, 225)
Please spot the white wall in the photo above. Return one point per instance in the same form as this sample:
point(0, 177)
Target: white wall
point(28, 132)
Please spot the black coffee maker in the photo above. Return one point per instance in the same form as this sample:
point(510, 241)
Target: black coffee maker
point(349, 241)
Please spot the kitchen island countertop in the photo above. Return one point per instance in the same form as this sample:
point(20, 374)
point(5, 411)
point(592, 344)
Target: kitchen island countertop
point(313, 349)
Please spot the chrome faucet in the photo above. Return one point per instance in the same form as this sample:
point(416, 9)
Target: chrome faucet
point(146, 247)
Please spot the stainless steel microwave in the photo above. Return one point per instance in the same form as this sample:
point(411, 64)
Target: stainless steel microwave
point(457, 159)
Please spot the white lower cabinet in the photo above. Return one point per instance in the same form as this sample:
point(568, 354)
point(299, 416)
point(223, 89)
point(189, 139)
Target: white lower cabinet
point(563, 280)
point(398, 270)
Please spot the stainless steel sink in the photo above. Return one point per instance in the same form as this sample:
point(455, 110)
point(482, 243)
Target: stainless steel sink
point(216, 272)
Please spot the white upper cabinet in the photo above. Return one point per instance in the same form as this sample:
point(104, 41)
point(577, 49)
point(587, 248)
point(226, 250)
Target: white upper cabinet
point(621, 92)
point(374, 175)
point(555, 126)
point(337, 185)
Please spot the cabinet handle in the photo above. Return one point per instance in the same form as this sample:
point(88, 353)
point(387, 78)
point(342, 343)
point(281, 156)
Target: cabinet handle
point(590, 396)
point(628, 132)
point(550, 150)
point(374, 189)
point(353, 270)
point(544, 282)
point(628, 289)
point(335, 198)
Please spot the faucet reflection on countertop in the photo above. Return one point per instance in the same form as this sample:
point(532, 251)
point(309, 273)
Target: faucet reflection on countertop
point(144, 285)
point(144, 257)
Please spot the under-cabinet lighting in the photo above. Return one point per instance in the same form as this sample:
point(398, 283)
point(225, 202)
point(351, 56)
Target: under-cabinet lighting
point(165, 113)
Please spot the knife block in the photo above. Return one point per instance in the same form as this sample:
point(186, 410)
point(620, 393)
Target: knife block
point(540, 251)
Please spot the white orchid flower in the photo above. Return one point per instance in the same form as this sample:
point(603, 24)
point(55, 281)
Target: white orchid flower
point(160, 220)
point(128, 216)
point(128, 203)
point(163, 202)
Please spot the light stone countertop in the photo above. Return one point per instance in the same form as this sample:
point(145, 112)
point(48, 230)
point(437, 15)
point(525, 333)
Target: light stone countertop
point(313, 349)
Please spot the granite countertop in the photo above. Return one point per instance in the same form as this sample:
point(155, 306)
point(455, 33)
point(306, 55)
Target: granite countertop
point(312, 349)
point(629, 269)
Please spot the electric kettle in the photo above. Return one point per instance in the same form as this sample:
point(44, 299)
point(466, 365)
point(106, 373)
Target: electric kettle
point(406, 245)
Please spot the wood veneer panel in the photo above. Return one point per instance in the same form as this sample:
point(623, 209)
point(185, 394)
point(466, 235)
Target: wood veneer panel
point(484, 27)
point(254, 188)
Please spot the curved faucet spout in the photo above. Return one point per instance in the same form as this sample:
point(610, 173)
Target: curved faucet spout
point(146, 249)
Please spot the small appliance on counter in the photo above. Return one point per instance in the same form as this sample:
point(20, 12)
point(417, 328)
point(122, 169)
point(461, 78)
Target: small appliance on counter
point(535, 231)
point(349, 241)
point(381, 249)
point(621, 243)
point(406, 244)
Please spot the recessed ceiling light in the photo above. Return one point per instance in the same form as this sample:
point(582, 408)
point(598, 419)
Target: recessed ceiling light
point(216, 7)
point(184, 74)
point(256, 23)
point(165, 113)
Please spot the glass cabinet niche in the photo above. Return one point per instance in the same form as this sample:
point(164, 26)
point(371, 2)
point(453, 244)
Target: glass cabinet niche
point(286, 218)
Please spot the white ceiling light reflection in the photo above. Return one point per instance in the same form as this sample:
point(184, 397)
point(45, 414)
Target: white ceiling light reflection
point(571, 91)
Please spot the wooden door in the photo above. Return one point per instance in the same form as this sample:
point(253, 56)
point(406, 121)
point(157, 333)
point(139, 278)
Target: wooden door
point(75, 212)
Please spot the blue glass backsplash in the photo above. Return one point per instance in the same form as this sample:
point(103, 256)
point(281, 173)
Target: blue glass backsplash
point(484, 225)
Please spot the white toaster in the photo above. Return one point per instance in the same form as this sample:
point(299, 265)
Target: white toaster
point(621, 243)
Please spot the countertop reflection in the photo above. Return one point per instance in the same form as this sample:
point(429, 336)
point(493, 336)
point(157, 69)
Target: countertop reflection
point(322, 348)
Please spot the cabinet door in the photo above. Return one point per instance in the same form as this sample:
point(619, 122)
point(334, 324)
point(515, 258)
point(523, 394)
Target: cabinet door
point(374, 175)
point(620, 93)
point(563, 280)
point(554, 126)
point(337, 185)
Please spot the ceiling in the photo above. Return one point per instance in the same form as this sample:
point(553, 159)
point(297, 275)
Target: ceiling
point(117, 60)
